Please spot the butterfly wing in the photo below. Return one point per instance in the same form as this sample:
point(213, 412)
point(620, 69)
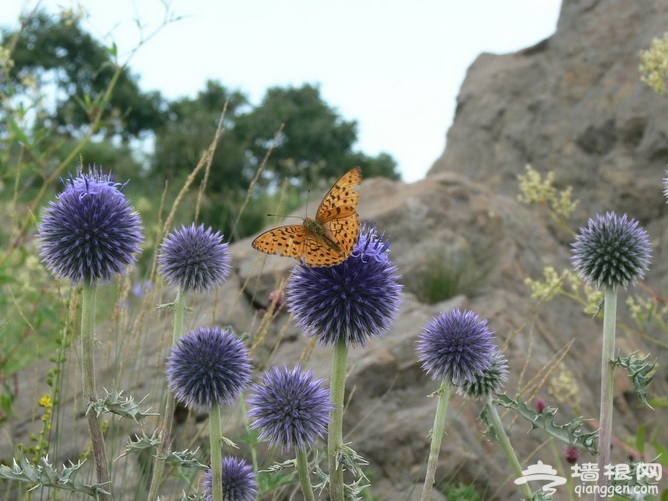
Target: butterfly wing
point(318, 251)
point(298, 242)
point(341, 200)
point(337, 212)
point(284, 240)
point(344, 230)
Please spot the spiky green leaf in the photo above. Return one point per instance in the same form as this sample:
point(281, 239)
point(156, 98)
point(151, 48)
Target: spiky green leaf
point(641, 373)
point(43, 474)
point(116, 403)
point(570, 433)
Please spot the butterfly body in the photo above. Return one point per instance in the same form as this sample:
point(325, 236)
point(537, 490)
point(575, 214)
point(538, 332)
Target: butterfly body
point(317, 231)
point(327, 239)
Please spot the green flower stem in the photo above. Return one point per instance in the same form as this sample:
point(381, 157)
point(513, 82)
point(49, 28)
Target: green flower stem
point(436, 438)
point(335, 435)
point(88, 300)
point(504, 441)
point(168, 416)
point(559, 466)
point(215, 433)
point(304, 475)
point(607, 382)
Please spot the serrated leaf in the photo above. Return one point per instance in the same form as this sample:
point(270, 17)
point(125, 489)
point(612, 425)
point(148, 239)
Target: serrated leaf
point(229, 443)
point(115, 403)
point(641, 374)
point(184, 459)
point(570, 433)
point(141, 443)
point(45, 475)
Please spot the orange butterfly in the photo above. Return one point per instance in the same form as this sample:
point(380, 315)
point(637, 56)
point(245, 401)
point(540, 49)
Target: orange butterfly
point(330, 237)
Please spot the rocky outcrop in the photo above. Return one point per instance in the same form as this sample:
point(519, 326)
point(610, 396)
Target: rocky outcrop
point(573, 104)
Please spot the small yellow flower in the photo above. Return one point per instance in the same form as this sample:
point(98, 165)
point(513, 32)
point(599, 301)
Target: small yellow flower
point(654, 65)
point(46, 402)
point(536, 190)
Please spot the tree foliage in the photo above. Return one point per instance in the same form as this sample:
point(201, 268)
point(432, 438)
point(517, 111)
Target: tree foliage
point(73, 71)
point(188, 131)
point(59, 53)
point(315, 140)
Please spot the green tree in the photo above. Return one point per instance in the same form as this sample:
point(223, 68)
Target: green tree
point(58, 52)
point(189, 130)
point(315, 141)
point(314, 146)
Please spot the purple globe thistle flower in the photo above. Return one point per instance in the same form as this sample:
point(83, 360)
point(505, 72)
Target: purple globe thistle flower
point(91, 232)
point(490, 381)
point(194, 258)
point(456, 347)
point(290, 408)
point(239, 482)
point(611, 251)
point(208, 365)
point(354, 300)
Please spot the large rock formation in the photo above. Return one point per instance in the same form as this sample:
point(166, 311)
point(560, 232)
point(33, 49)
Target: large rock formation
point(573, 104)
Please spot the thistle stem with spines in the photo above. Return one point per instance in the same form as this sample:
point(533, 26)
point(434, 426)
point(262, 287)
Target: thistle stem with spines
point(437, 432)
point(335, 435)
point(215, 434)
point(88, 305)
point(303, 473)
point(607, 382)
point(170, 403)
point(507, 448)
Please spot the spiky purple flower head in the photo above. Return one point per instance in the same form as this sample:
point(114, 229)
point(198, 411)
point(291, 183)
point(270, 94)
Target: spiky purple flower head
point(208, 365)
point(239, 482)
point(611, 251)
point(290, 408)
point(91, 232)
point(194, 258)
point(490, 381)
point(456, 347)
point(354, 300)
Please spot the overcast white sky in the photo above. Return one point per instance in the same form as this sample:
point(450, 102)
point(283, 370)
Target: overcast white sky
point(395, 66)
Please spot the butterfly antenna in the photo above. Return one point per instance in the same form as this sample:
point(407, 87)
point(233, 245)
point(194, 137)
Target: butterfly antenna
point(282, 215)
point(308, 196)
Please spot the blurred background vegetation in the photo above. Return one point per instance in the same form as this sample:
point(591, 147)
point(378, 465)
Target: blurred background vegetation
point(60, 87)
